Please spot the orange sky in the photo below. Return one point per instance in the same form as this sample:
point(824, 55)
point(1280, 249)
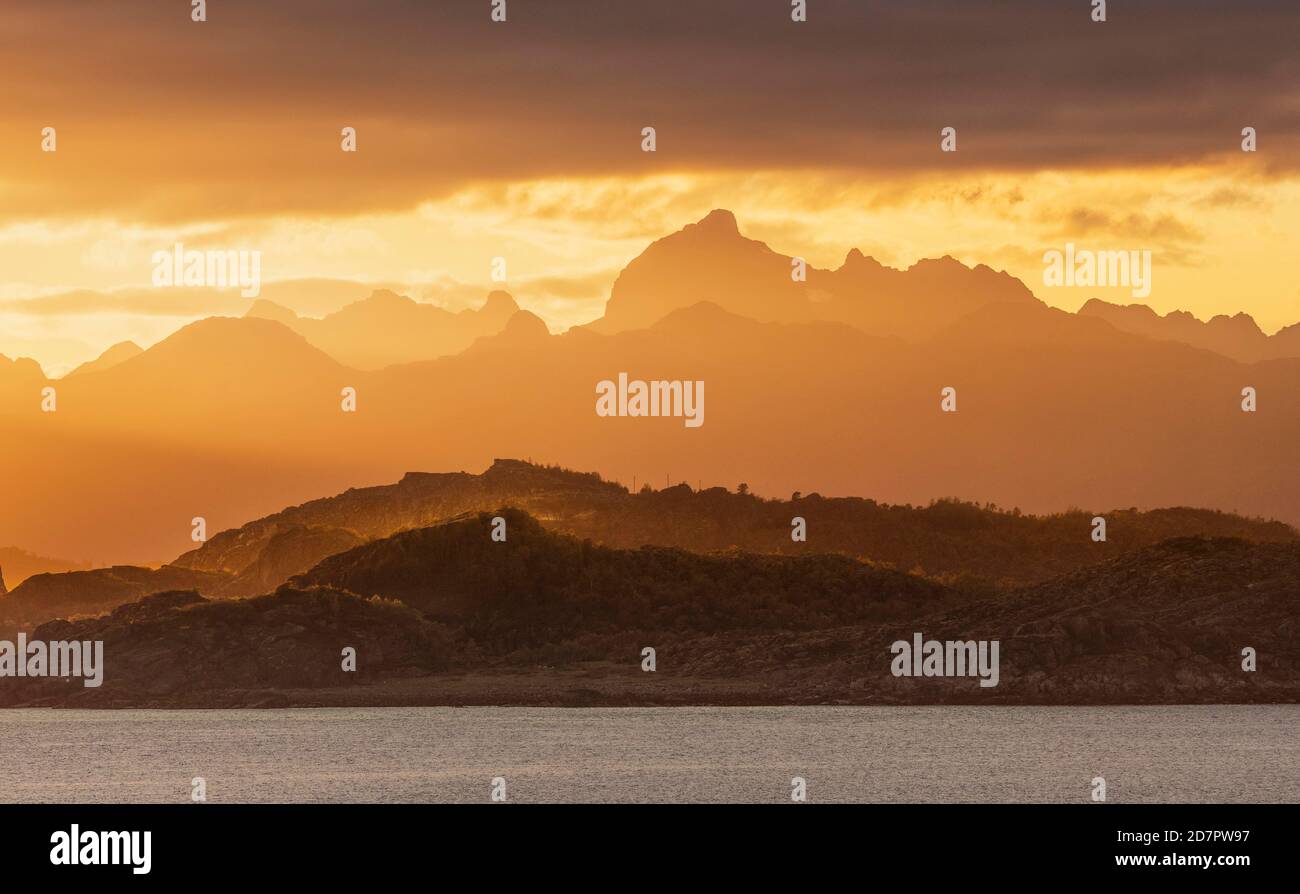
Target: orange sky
point(522, 140)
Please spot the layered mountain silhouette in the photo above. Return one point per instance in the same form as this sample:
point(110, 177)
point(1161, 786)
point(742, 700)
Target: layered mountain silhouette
point(448, 615)
point(232, 419)
point(388, 328)
point(974, 549)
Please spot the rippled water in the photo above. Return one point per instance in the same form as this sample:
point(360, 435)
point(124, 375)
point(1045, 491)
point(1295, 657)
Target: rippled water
point(1185, 753)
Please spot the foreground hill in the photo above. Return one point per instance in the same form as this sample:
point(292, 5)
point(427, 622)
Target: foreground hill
point(1163, 623)
point(446, 615)
point(178, 644)
point(540, 589)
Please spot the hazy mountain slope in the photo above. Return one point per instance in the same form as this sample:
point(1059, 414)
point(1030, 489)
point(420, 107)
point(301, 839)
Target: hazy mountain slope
point(386, 328)
point(21, 381)
point(420, 499)
point(17, 565)
point(1236, 336)
point(46, 596)
point(944, 538)
point(118, 353)
point(287, 551)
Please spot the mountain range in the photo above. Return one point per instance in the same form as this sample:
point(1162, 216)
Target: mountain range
point(830, 385)
point(387, 328)
point(1237, 336)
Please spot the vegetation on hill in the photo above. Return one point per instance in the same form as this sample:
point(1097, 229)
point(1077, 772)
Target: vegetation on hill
point(947, 539)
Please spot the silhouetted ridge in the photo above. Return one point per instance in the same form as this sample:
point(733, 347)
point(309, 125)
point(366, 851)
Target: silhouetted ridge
point(1237, 336)
point(947, 537)
point(118, 353)
point(711, 260)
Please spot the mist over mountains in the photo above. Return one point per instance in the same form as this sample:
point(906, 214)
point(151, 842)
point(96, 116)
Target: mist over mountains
point(387, 328)
point(831, 385)
point(1236, 336)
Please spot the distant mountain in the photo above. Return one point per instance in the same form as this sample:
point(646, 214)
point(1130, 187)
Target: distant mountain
point(387, 328)
point(21, 381)
point(17, 565)
point(522, 330)
point(711, 261)
point(1237, 336)
point(118, 353)
point(43, 597)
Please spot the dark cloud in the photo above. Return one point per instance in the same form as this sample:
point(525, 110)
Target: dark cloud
point(164, 118)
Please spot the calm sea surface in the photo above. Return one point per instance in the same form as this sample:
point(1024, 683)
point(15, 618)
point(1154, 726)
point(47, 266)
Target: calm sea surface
point(1232, 753)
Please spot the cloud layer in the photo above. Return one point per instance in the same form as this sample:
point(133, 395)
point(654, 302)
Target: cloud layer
point(162, 118)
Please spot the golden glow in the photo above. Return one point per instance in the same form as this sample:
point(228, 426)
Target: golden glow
point(1220, 236)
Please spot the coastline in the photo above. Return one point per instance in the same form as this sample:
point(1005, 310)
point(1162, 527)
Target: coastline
point(606, 685)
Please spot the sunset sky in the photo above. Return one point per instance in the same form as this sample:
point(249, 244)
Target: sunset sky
point(523, 140)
